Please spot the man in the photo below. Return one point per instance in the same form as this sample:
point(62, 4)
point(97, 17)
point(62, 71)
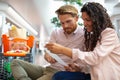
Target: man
point(70, 35)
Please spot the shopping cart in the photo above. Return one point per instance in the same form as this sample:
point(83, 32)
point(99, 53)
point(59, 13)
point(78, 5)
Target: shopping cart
point(5, 71)
point(14, 47)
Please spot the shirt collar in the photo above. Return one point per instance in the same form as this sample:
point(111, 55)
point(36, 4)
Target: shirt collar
point(72, 32)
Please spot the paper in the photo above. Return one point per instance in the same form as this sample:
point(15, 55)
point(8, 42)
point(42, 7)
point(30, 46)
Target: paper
point(56, 57)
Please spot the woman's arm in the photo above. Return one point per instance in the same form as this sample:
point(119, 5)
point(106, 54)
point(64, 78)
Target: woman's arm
point(59, 49)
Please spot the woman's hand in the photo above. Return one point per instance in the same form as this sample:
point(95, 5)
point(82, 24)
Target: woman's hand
point(59, 49)
point(54, 48)
point(72, 68)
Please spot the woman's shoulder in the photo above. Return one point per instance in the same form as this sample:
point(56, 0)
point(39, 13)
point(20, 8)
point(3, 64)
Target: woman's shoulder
point(108, 30)
point(110, 33)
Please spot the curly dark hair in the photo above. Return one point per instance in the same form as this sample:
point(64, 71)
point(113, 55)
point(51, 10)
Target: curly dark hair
point(101, 20)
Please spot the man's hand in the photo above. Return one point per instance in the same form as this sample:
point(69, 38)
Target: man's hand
point(49, 59)
point(72, 68)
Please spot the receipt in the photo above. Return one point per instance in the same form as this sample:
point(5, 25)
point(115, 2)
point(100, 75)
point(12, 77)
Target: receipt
point(56, 57)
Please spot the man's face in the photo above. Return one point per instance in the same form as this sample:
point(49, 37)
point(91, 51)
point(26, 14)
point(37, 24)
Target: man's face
point(68, 22)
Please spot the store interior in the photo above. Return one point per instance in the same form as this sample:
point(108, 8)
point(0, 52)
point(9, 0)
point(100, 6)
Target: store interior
point(33, 18)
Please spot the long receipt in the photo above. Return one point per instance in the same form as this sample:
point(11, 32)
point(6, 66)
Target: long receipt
point(56, 57)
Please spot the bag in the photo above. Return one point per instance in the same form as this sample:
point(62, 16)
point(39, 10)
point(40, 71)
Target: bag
point(17, 32)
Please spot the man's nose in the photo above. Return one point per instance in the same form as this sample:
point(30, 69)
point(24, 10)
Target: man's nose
point(66, 25)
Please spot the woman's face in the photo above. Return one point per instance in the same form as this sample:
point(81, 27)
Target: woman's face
point(68, 22)
point(87, 21)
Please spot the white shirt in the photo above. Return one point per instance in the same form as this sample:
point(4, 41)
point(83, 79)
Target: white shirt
point(74, 40)
point(104, 60)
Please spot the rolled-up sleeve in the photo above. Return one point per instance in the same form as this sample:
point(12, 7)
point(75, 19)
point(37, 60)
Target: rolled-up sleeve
point(76, 54)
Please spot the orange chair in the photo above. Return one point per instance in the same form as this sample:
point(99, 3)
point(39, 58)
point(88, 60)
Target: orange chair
point(7, 44)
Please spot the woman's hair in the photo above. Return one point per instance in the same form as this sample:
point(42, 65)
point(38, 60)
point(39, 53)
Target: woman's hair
point(100, 19)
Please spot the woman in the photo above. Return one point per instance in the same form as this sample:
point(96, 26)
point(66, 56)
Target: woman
point(102, 46)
